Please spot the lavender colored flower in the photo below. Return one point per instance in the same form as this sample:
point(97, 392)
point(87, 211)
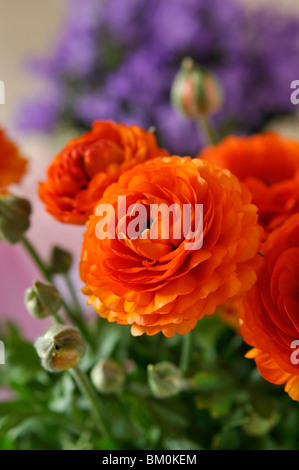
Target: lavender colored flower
point(117, 60)
point(42, 113)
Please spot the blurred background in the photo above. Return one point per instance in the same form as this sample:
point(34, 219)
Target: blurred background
point(29, 28)
point(67, 62)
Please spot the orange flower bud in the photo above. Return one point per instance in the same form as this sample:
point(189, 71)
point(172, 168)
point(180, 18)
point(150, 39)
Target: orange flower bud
point(195, 91)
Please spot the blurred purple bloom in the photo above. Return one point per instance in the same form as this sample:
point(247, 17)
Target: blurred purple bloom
point(116, 60)
point(41, 113)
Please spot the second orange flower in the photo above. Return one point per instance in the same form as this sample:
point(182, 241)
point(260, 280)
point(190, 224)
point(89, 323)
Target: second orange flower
point(79, 175)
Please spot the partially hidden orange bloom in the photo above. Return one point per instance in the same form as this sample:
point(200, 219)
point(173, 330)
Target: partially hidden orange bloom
point(160, 285)
point(12, 164)
point(80, 173)
point(269, 165)
point(269, 313)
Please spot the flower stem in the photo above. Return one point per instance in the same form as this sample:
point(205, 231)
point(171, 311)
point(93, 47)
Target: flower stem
point(205, 127)
point(48, 276)
point(36, 258)
point(58, 320)
point(79, 322)
point(186, 351)
point(89, 392)
point(74, 296)
point(79, 376)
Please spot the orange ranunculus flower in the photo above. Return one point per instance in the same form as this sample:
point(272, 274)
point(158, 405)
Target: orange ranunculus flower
point(12, 164)
point(269, 312)
point(269, 165)
point(79, 175)
point(160, 284)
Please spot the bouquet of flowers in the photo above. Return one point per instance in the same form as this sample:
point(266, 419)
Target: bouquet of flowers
point(190, 263)
point(175, 250)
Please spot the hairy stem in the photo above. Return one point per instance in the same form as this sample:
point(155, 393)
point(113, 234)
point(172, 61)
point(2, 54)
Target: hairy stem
point(79, 322)
point(97, 408)
point(186, 351)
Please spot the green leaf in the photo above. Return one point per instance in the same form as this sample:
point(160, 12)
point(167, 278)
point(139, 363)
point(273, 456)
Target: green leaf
point(180, 444)
point(169, 417)
point(227, 440)
point(221, 404)
point(62, 395)
point(6, 443)
point(261, 403)
point(258, 426)
point(140, 414)
point(208, 380)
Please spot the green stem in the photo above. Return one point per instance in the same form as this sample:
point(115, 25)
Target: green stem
point(89, 392)
point(47, 275)
point(79, 376)
point(36, 258)
point(74, 296)
point(205, 127)
point(58, 320)
point(79, 322)
point(186, 351)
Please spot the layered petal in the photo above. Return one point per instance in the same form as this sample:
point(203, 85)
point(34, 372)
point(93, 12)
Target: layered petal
point(269, 165)
point(167, 283)
point(269, 311)
point(80, 173)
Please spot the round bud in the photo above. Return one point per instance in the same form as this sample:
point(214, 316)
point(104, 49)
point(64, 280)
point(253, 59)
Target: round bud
point(14, 217)
point(42, 300)
point(60, 348)
point(108, 376)
point(61, 261)
point(195, 91)
point(166, 380)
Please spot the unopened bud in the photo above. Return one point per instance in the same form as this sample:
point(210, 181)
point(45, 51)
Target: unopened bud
point(61, 261)
point(60, 348)
point(166, 380)
point(195, 91)
point(14, 217)
point(42, 300)
point(108, 376)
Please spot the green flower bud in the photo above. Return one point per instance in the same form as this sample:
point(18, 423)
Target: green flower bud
point(14, 217)
point(166, 380)
point(108, 376)
point(42, 300)
point(61, 261)
point(195, 91)
point(60, 348)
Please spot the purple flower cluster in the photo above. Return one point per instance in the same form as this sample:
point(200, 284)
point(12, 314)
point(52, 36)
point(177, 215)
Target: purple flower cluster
point(117, 59)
